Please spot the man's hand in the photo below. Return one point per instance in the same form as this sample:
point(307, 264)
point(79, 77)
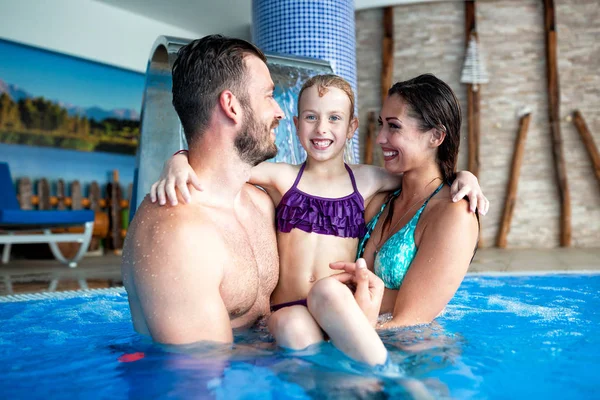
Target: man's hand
point(369, 288)
point(466, 184)
point(176, 173)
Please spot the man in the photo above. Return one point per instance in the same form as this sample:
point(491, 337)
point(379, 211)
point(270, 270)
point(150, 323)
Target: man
point(193, 273)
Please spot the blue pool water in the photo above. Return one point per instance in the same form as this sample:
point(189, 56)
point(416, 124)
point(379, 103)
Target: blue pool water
point(500, 338)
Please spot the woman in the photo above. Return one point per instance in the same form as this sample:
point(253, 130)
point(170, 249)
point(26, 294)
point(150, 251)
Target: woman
point(419, 243)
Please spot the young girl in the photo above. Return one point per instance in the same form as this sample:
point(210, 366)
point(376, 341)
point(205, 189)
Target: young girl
point(319, 204)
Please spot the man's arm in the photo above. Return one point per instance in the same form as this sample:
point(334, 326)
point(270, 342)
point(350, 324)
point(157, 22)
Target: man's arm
point(178, 286)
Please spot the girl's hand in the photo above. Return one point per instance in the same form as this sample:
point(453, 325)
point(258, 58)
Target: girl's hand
point(369, 288)
point(466, 184)
point(176, 173)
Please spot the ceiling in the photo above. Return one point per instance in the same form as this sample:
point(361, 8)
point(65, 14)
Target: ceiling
point(229, 17)
point(197, 16)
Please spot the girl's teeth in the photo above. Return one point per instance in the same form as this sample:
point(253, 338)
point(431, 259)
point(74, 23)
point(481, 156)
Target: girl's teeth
point(389, 153)
point(322, 143)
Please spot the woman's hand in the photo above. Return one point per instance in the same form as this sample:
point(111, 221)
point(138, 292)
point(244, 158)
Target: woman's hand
point(176, 173)
point(466, 184)
point(369, 288)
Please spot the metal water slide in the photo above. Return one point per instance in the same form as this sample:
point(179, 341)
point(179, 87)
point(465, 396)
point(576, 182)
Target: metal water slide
point(162, 134)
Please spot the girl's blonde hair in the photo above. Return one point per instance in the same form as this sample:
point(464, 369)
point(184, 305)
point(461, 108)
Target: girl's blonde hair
point(323, 82)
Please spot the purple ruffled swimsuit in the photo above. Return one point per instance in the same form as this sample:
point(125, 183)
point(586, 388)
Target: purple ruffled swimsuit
point(341, 217)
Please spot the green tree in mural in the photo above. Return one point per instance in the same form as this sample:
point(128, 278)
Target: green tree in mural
point(85, 126)
point(9, 113)
point(41, 122)
point(29, 114)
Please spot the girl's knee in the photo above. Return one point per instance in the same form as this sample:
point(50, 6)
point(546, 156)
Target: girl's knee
point(283, 317)
point(294, 328)
point(328, 293)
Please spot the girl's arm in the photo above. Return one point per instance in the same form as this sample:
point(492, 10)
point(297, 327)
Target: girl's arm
point(375, 179)
point(177, 174)
point(266, 174)
point(274, 178)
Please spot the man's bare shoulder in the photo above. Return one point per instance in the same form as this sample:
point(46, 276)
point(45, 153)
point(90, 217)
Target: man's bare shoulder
point(186, 218)
point(183, 232)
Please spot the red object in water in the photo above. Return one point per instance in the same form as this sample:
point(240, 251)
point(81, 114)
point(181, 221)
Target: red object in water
point(132, 357)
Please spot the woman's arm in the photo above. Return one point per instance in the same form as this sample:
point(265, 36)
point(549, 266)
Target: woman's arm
point(445, 251)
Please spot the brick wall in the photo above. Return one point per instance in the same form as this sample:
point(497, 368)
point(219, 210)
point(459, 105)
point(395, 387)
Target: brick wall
point(429, 37)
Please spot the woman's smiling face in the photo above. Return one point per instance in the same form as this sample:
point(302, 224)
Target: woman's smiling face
point(403, 144)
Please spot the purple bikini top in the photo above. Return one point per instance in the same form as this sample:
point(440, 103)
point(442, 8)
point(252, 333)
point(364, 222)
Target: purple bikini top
point(342, 217)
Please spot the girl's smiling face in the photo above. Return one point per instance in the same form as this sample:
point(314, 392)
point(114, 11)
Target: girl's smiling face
point(324, 122)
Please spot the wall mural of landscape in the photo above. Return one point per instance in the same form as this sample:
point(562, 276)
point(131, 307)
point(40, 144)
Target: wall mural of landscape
point(49, 99)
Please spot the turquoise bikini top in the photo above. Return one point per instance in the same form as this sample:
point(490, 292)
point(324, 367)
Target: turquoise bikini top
point(395, 256)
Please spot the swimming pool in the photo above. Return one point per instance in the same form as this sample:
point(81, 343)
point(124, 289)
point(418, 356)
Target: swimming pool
point(501, 337)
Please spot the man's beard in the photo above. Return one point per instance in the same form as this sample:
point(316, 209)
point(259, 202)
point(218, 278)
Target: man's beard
point(253, 143)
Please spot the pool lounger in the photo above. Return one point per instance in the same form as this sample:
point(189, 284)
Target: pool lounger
point(29, 226)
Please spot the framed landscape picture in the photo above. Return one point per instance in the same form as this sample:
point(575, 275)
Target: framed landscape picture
point(50, 99)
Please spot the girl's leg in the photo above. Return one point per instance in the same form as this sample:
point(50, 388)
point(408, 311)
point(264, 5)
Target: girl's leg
point(332, 305)
point(294, 328)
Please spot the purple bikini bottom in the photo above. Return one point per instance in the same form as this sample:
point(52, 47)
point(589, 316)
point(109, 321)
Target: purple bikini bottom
point(291, 303)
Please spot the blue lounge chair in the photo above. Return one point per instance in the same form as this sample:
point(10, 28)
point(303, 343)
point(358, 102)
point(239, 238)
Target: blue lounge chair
point(28, 226)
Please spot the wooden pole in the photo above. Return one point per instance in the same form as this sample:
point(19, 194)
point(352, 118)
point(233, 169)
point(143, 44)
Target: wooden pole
point(368, 156)
point(588, 141)
point(43, 189)
point(115, 213)
point(473, 99)
point(25, 194)
point(554, 118)
point(387, 48)
point(513, 182)
point(60, 195)
point(76, 196)
point(94, 198)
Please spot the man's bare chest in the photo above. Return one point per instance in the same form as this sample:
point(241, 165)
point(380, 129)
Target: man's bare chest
point(252, 271)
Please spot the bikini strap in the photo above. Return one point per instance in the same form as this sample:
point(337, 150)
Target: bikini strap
point(433, 194)
point(351, 177)
point(390, 198)
point(299, 176)
point(373, 222)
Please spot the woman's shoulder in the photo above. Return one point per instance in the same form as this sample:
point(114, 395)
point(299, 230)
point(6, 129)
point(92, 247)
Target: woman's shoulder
point(442, 210)
point(444, 219)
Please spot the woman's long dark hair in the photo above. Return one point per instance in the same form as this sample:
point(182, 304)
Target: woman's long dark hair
point(433, 104)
